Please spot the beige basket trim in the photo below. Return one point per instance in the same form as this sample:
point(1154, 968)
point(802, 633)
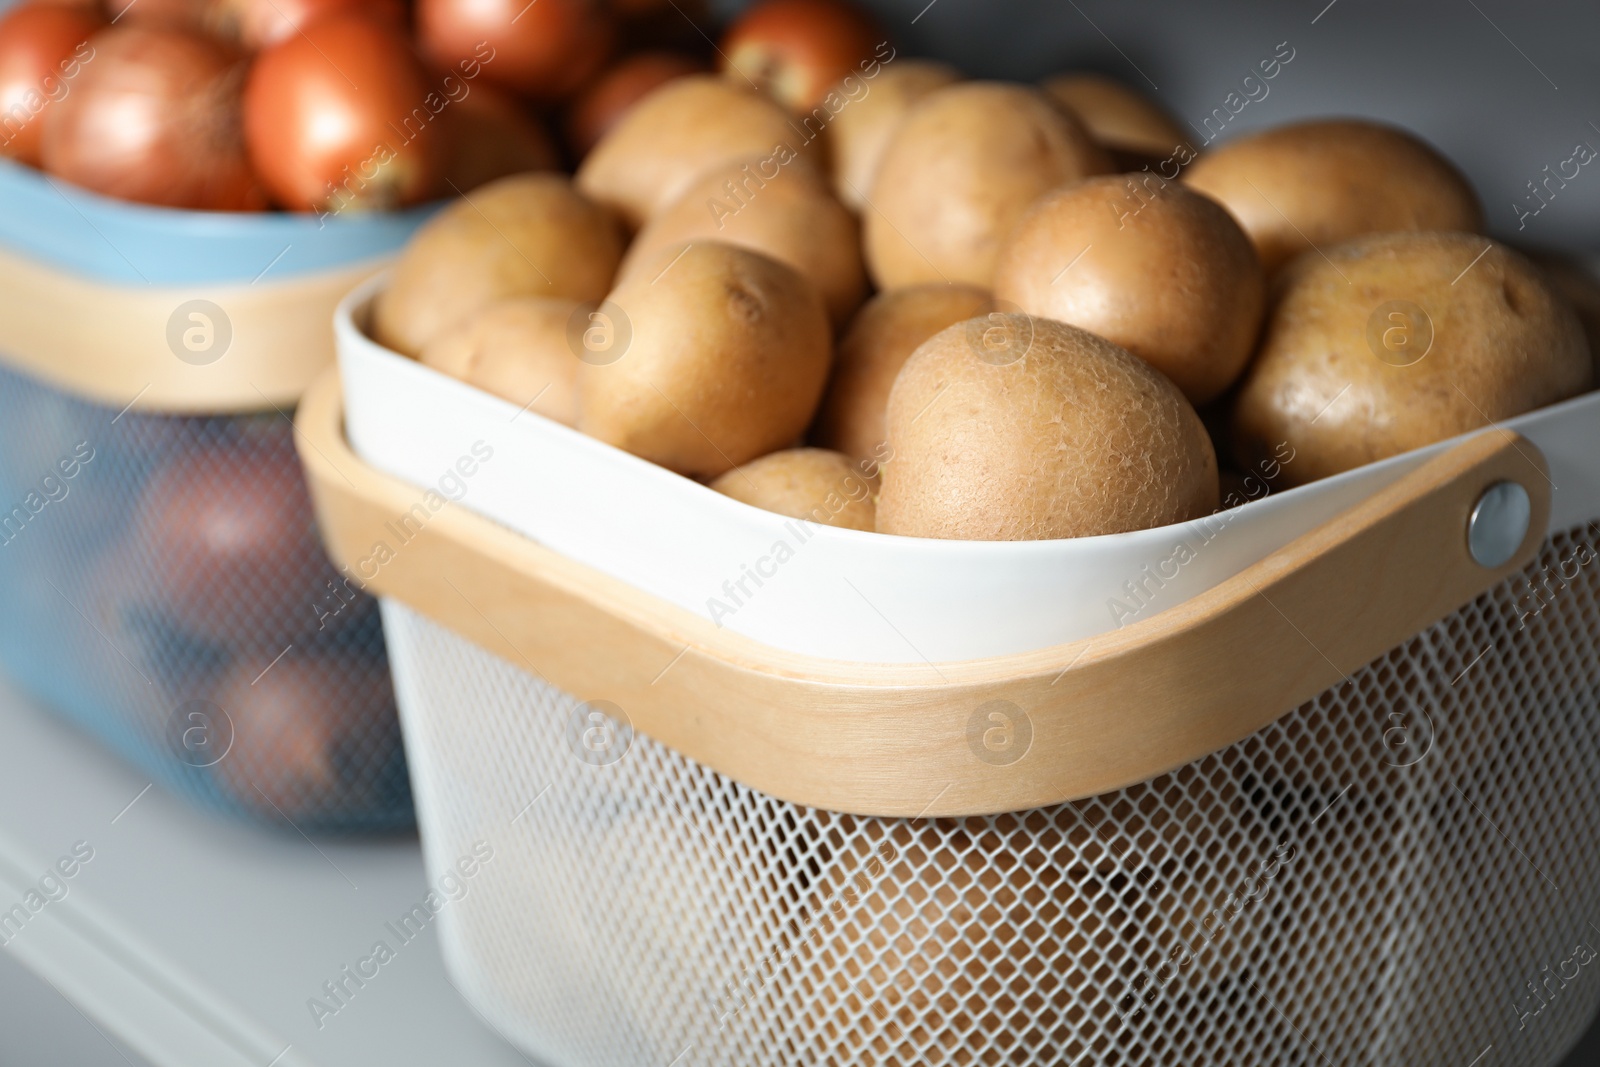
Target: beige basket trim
point(110, 343)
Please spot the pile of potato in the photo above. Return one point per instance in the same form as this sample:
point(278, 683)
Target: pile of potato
point(986, 302)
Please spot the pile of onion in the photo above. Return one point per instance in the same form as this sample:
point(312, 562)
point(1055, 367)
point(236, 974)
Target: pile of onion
point(330, 106)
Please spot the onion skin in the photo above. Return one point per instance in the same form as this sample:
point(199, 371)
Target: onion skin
point(544, 50)
point(230, 538)
point(258, 24)
point(298, 728)
point(154, 118)
point(165, 14)
point(249, 24)
point(42, 50)
point(493, 137)
point(602, 104)
point(343, 116)
point(796, 50)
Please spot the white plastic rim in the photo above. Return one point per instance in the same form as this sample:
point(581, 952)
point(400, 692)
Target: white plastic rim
point(819, 590)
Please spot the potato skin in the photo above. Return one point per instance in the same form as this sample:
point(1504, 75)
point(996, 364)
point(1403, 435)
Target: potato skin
point(681, 130)
point(1502, 344)
point(957, 175)
point(1117, 117)
point(920, 894)
point(880, 339)
point(527, 235)
point(1331, 181)
point(728, 356)
point(517, 349)
point(1570, 278)
point(788, 213)
point(860, 132)
point(805, 483)
point(1053, 433)
point(1149, 265)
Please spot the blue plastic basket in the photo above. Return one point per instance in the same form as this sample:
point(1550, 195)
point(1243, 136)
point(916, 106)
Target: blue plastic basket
point(164, 584)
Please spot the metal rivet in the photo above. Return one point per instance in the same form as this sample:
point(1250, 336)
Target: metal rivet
point(1498, 523)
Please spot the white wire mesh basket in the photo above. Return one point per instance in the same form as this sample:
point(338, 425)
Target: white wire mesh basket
point(1118, 849)
point(1376, 878)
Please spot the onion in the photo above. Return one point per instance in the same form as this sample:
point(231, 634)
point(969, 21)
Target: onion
point(491, 137)
point(168, 14)
point(544, 50)
point(250, 24)
point(613, 94)
point(342, 116)
point(42, 51)
point(797, 50)
point(257, 24)
point(154, 117)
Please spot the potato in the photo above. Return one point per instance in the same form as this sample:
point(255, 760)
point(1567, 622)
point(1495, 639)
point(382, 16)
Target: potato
point(1578, 285)
point(675, 134)
point(1010, 428)
point(1399, 340)
point(918, 937)
point(1148, 264)
point(788, 213)
point(1315, 184)
point(728, 355)
point(880, 340)
point(861, 130)
point(916, 931)
point(957, 175)
point(804, 483)
point(517, 349)
point(1118, 118)
point(527, 235)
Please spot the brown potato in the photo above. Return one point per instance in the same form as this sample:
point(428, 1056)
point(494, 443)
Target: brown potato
point(1578, 285)
point(1118, 118)
point(788, 213)
point(527, 235)
point(917, 936)
point(1011, 428)
point(1399, 340)
point(914, 932)
point(718, 359)
point(517, 349)
point(957, 175)
point(1316, 184)
point(861, 130)
point(1156, 268)
point(804, 483)
point(879, 341)
point(675, 134)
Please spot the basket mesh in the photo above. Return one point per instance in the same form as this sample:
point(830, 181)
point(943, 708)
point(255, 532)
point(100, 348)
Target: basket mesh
point(1403, 870)
point(165, 589)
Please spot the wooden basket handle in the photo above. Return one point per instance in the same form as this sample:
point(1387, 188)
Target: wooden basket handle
point(1008, 733)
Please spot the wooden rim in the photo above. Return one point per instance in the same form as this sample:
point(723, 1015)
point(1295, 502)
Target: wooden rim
point(109, 343)
point(1008, 733)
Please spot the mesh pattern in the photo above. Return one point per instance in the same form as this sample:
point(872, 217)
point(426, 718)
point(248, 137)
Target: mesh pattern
point(1382, 876)
point(165, 589)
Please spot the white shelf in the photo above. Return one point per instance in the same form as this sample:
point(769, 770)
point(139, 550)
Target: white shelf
point(197, 942)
